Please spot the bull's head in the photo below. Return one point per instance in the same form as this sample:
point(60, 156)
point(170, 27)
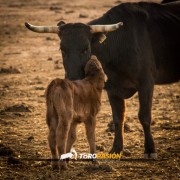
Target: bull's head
point(75, 43)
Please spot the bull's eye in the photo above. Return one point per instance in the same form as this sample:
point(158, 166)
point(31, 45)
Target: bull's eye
point(84, 51)
point(63, 52)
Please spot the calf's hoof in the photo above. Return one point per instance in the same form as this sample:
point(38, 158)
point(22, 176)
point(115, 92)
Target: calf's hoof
point(150, 155)
point(95, 162)
point(55, 167)
point(63, 166)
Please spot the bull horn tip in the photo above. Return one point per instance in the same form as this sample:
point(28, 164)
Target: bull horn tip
point(120, 23)
point(27, 25)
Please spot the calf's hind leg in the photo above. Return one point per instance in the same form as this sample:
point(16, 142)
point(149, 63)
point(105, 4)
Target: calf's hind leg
point(61, 139)
point(52, 144)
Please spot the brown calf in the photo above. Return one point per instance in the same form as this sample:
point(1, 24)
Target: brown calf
point(71, 102)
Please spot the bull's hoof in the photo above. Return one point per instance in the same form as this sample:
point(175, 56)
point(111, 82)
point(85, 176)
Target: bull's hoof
point(115, 150)
point(150, 156)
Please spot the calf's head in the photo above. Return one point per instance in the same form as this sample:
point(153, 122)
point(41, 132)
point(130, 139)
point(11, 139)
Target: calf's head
point(75, 43)
point(93, 66)
point(94, 72)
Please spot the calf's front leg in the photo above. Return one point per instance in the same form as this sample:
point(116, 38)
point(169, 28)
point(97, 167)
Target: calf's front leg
point(90, 125)
point(71, 136)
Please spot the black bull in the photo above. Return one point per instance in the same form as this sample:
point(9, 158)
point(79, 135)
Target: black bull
point(143, 52)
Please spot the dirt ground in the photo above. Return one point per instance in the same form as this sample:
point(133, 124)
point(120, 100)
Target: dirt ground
point(29, 61)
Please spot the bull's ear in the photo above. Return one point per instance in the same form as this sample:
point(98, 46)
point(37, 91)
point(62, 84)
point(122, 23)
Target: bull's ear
point(61, 23)
point(98, 37)
point(102, 38)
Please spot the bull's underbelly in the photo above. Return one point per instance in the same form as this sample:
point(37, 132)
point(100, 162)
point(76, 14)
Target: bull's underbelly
point(120, 91)
point(165, 77)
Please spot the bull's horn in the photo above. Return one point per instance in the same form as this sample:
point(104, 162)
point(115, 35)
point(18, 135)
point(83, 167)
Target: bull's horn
point(42, 29)
point(105, 28)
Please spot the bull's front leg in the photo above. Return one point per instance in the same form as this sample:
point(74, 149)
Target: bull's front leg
point(145, 92)
point(118, 112)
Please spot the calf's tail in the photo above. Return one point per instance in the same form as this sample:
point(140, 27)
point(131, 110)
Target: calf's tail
point(50, 111)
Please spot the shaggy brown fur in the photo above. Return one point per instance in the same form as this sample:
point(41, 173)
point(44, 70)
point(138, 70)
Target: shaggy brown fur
point(71, 102)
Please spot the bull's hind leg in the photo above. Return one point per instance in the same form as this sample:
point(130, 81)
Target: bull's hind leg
point(52, 144)
point(61, 139)
point(118, 111)
point(145, 99)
